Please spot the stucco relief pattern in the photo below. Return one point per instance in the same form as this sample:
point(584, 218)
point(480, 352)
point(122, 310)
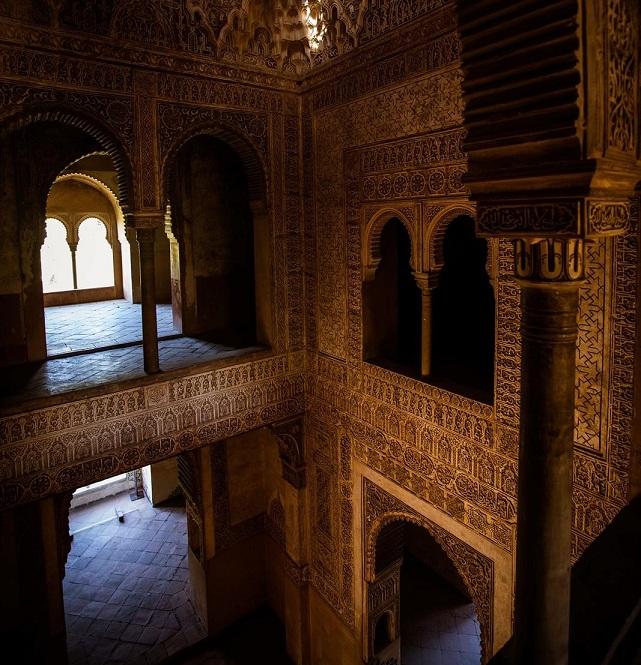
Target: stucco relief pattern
point(592, 351)
point(51, 450)
point(442, 454)
point(429, 104)
point(601, 483)
point(330, 481)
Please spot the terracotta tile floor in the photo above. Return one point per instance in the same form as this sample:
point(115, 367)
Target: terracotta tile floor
point(126, 590)
point(95, 325)
point(87, 328)
point(88, 370)
point(438, 624)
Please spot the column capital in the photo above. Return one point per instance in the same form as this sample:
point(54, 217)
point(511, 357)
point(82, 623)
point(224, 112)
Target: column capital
point(550, 261)
point(146, 219)
point(426, 281)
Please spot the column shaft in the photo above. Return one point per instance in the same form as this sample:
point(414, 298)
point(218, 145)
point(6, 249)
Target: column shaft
point(426, 332)
point(145, 238)
point(74, 269)
point(542, 611)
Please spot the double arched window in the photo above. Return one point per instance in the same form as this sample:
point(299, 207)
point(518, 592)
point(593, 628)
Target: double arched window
point(428, 302)
point(76, 256)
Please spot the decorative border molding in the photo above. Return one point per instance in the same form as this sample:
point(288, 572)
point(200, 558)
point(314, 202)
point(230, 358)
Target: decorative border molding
point(55, 449)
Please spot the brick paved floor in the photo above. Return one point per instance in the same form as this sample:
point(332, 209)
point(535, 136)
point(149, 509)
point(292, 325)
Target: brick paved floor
point(438, 624)
point(59, 375)
point(95, 325)
point(126, 590)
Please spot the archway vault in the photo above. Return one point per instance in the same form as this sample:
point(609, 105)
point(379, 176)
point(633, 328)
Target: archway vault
point(475, 569)
point(254, 166)
point(93, 128)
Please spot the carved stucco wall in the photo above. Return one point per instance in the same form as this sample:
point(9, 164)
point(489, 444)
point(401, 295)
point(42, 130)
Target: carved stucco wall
point(386, 134)
point(386, 139)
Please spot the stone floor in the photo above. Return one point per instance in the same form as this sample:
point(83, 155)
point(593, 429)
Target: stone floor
point(88, 370)
point(96, 325)
point(438, 624)
point(104, 510)
point(126, 590)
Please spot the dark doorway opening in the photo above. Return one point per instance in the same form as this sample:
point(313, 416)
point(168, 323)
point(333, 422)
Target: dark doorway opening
point(438, 623)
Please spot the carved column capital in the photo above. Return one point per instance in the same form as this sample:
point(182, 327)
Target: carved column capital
point(290, 435)
point(553, 261)
point(147, 219)
point(145, 235)
point(426, 281)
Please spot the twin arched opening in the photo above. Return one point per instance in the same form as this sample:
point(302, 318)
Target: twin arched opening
point(437, 323)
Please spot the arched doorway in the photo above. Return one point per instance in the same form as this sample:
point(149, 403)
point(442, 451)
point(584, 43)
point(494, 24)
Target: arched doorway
point(34, 151)
point(418, 603)
point(220, 247)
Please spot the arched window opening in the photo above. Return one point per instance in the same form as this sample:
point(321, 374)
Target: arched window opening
point(392, 306)
point(56, 259)
point(213, 237)
point(431, 601)
point(94, 256)
point(463, 313)
point(383, 632)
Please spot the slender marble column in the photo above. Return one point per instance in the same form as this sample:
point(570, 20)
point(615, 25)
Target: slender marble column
point(426, 283)
point(145, 237)
point(73, 248)
point(551, 272)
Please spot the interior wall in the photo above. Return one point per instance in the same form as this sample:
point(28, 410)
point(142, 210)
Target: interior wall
point(162, 266)
point(160, 480)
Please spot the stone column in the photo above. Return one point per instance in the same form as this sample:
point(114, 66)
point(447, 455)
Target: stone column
point(74, 270)
point(426, 283)
point(550, 272)
point(145, 237)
